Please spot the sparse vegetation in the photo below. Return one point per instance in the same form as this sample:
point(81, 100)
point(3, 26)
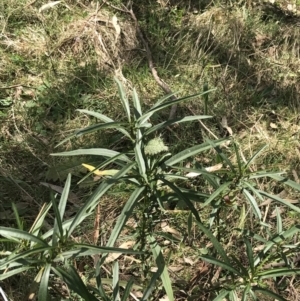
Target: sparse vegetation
point(205, 209)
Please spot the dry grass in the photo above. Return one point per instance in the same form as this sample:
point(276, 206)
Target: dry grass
point(64, 58)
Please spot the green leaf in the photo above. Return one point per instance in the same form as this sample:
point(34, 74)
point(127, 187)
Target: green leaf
point(127, 290)
point(122, 219)
point(162, 106)
point(223, 188)
point(93, 152)
point(74, 282)
point(100, 126)
point(59, 212)
point(279, 221)
point(182, 197)
point(21, 235)
point(174, 121)
point(15, 257)
point(246, 292)
point(253, 203)
point(263, 174)
point(268, 293)
point(250, 256)
point(192, 151)
point(285, 181)
point(257, 154)
point(79, 250)
point(214, 241)
point(278, 272)
point(17, 216)
point(93, 200)
point(43, 289)
point(139, 156)
point(280, 200)
point(162, 270)
point(223, 293)
point(137, 104)
point(221, 264)
point(124, 99)
point(115, 282)
point(7, 273)
point(37, 225)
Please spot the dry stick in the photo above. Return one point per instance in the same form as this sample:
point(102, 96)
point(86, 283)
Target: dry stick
point(160, 82)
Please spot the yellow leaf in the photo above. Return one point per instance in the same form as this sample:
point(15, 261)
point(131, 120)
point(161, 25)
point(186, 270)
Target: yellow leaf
point(97, 172)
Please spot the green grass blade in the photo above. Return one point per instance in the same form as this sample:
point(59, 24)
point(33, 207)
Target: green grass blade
point(161, 100)
point(139, 156)
point(21, 235)
point(74, 282)
point(268, 293)
point(93, 152)
point(253, 203)
point(99, 116)
point(215, 242)
point(17, 216)
point(279, 221)
point(38, 223)
point(124, 99)
point(175, 121)
point(263, 174)
point(115, 282)
point(246, 292)
point(192, 151)
point(43, 289)
point(162, 268)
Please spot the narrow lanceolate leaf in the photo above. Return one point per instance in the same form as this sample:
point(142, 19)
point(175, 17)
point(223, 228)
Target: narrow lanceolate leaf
point(137, 104)
point(115, 282)
point(124, 99)
point(223, 293)
point(221, 264)
point(166, 104)
point(97, 172)
point(43, 289)
point(246, 292)
point(182, 197)
point(253, 203)
point(93, 152)
point(268, 293)
point(100, 126)
point(278, 272)
point(74, 282)
point(280, 200)
point(215, 242)
point(192, 151)
point(279, 221)
point(105, 119)
point(250, 255)
point(175, 121)
point(36, 227)
point(9, 273)
point(93, 200)
point(162, 268)
point(257, 154)
point(127, 290)
point(285, 181)
point(122, 219)
point(217, 193)
point(139, 156)
point(58, 228)
point(20, 235)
